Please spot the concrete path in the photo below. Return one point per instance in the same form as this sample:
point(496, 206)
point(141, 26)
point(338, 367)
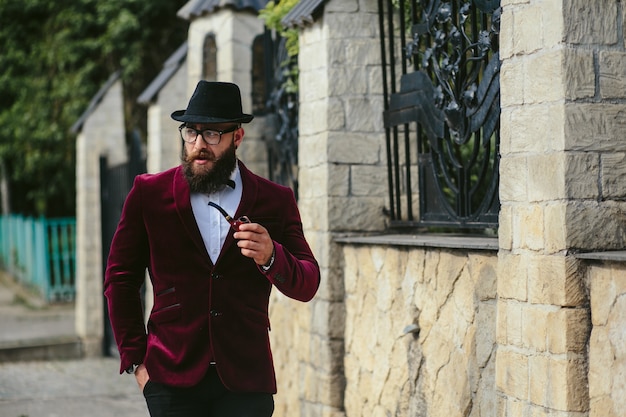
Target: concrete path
point(74, 388)
point(58, 383)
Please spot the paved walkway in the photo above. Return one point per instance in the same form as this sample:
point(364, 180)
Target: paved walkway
point(54, 387)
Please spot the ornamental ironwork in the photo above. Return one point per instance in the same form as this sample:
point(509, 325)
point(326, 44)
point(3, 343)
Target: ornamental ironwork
point(446, 112)
point(281, 109)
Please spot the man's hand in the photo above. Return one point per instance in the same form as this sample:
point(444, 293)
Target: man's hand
point(255, 242)
point(141, 375)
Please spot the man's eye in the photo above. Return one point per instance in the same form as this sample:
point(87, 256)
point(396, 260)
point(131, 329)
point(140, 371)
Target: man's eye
point(210, 134)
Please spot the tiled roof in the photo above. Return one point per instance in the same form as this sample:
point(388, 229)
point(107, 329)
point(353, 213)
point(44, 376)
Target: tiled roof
point(303, 13)
point(196, 8)
point(170, 67)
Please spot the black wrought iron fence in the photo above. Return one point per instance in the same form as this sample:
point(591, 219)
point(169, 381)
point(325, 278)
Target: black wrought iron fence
point(442, 111)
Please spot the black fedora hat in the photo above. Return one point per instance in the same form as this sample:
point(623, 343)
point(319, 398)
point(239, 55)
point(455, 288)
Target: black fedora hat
point(214, 102)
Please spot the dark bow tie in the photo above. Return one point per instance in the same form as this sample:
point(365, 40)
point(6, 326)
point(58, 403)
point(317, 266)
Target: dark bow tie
point(230, 183)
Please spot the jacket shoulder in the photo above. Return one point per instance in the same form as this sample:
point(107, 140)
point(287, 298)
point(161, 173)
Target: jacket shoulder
point(159, 177)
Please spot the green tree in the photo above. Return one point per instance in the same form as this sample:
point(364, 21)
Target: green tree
point(54, 57)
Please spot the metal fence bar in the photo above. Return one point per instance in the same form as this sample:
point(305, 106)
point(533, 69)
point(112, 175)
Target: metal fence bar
point(40, 254)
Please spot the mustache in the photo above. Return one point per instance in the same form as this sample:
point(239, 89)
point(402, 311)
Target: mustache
point(200, 154)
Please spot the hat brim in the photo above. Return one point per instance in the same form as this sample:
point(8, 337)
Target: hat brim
point(180, 116)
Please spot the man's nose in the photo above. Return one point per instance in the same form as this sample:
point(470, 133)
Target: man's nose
point(200, 142)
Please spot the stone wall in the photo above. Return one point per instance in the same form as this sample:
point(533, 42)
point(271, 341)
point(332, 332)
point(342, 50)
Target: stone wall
point(102, 134)
point(607, 344)
point(561, 151)
point(164, 143)
point(420, 332)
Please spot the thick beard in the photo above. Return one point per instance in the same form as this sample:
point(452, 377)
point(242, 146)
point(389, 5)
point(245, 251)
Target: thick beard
point(211, 180)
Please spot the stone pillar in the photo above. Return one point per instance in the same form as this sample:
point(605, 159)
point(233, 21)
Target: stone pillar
point(102, 134)
point(562, 153)
point(342, 187)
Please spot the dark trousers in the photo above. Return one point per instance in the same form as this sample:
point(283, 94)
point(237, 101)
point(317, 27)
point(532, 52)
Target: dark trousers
point(207, 399)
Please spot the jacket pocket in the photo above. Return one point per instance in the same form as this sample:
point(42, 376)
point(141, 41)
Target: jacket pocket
point(165, 314)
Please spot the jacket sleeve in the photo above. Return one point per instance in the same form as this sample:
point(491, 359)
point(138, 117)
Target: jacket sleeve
point(124, 276)
point(295, 272)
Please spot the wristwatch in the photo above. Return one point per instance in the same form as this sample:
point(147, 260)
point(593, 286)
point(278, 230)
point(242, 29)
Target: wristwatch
point(268, 265)
point(131, 369)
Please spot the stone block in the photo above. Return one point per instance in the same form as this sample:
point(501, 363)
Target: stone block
point(512, 372)
point(546, 180)
point(528, 227)
point(314, 182)
point(555, 280)
point(355, 148)
point(590, 22)
point(596, 225)
point(568, 330)
point(360, 214)
point(603, 293)
point(555, 383)
point(526, 41)
point(601, 360)
point(514, 329)
point(354, 55)
point(336, 115)
point(537, 128)
point(612, 74)
point(342, 6)
point(314, 85)
point(364, 114)
point(344, 81)
point(512, 276)
point(613, 175)
point(505, 227)
point(555, 228)
point(582, 175)
point(484, 270)
point(339, 180)
point(512, 75)
point(535, 326)
point(507, 50)
point(513, 179)
point(368, 180)
point(579, 73)
point(501, 322)
point(617, 331)
point(544, 78)
point(313, 117)
point(351, 25)
point(595, 127)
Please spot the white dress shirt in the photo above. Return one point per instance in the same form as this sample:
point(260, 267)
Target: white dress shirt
point(213, 226)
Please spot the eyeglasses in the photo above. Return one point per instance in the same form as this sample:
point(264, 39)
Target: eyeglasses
point(211, 137)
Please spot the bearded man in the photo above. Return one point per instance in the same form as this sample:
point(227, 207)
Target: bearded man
point(205, 350)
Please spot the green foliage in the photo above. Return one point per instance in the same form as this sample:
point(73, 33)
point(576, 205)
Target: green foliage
point(55, 57)
point(272, 15)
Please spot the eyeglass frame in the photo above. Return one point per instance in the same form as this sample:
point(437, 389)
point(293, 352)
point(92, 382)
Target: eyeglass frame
point(201, 133)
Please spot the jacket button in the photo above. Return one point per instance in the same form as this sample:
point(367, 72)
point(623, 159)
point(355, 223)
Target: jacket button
point(215, 313)
point(216, 276)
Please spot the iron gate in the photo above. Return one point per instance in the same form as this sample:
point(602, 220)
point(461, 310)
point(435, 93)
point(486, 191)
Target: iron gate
point(115, 183)
point(443, 122)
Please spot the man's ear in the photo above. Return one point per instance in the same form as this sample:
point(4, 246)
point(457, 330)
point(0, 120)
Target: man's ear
point(239, 136)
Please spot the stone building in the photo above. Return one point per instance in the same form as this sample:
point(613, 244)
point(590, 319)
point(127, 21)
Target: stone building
point(528, 322)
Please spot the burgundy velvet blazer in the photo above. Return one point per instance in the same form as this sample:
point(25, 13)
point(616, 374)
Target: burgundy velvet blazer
point(202, 311)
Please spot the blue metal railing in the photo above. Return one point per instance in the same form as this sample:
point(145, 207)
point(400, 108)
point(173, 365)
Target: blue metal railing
point(40, 254)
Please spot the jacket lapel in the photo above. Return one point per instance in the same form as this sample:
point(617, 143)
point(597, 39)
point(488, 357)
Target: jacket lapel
point(246, 206)
point(180, 190)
